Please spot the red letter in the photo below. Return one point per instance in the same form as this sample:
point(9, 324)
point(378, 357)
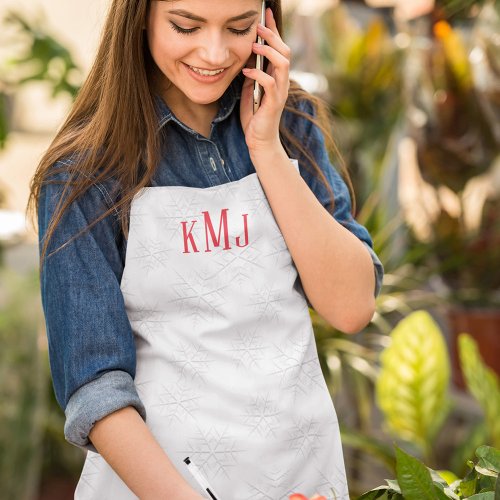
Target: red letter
point(222, 222)
point(245, 224)
point(187, 235)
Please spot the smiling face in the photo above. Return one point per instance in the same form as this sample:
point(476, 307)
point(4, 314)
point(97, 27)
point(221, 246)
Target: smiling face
point(200, 45)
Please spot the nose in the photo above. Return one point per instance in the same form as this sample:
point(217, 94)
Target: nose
point(214, 51)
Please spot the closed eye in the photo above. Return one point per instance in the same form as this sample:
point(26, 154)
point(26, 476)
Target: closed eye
point(241, 32)
point(189, 31)
point(182, 30)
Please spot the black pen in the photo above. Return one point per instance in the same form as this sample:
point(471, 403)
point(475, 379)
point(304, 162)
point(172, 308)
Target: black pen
point(200, 478)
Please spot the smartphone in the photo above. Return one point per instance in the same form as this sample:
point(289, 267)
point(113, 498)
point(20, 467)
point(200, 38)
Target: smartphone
point(259, 63)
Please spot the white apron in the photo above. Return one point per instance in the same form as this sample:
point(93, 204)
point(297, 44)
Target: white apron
point(227, 365)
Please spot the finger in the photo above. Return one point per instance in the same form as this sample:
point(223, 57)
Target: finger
point(274, 40)
point(271, 22)
point(268, 83)
point(280, 64)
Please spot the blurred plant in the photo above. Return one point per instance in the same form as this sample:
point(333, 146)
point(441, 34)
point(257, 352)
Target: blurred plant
point(483, 384)
point(415, 481)
point(60, 461)
point(363, 69)
point(413, 383)
point(459, 9)
point(23, 388)
point(364, 73)
point(350, 363)
point(32, 445)
point(413, 398)
point(4, 122)
point(43, 59)
point(454, 114)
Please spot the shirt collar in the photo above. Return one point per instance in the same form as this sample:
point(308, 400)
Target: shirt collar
point(227, 104)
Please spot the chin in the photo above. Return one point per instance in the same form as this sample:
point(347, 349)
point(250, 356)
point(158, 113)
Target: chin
point(206, 98)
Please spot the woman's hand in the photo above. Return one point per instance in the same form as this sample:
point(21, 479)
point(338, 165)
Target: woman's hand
point(262, 129)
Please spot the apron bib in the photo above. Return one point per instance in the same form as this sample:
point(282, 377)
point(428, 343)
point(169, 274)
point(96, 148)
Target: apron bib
point(227, 365)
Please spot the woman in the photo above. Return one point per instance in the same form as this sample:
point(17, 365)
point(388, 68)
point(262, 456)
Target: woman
point(180, 249)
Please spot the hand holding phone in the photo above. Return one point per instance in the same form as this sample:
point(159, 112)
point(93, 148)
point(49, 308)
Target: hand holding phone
point(259, 63)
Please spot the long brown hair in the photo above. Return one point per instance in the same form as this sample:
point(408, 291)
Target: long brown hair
point(112, 128)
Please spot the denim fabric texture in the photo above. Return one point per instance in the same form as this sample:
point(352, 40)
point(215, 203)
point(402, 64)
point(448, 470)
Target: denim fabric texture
point(91, 343)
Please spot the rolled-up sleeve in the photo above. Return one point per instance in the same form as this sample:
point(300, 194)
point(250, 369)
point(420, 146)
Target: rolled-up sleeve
point(314, 141)
point(91, 345)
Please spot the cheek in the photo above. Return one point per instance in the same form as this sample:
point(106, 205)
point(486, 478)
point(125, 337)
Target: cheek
point(165, 48)
point(245, 49)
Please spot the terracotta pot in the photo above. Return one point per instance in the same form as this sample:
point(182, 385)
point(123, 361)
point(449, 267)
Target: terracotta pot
point(484, 326)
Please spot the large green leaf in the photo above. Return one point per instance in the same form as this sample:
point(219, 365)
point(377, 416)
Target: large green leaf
point(483, 384)
point(414, 478)
point(412, 386)
point(489, 458)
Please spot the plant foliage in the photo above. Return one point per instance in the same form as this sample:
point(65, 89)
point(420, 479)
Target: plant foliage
point(413, 382)
point(415, 481)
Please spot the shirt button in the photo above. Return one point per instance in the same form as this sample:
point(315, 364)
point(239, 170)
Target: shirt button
point(212, 162)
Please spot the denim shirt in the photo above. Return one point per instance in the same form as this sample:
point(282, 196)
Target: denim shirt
point(91, 343)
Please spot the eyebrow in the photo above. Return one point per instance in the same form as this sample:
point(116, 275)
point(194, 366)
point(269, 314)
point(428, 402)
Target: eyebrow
point(189, 15)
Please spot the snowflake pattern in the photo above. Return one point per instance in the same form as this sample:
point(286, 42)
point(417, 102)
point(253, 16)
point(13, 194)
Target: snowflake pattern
point(215, 451)
point(262, 417)
point(151, 254)
point(177, 403)
point(147, 318)
point(297, 366)
point(305, 438)
point(191, 363)
point(247, 349)
point(266, 302)
point(332, 491)
point(197, 297)
point(227, 366)
point(276, 483)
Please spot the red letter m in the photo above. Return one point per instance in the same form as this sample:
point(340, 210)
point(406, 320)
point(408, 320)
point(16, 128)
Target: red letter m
point(209, 228)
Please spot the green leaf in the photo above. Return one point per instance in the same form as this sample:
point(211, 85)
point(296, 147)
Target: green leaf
point(483, 384)
point(486, 472)
point(442, 494)
point(393, 485)
point(413, 381)
point(488, 495)
point(374, 494)
point(414, 478)
point(391, 490)
point(489, 458)
point(468, 485)
point(445, 490)
point(396, 496)
point(447, 476)
point(487, 483)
